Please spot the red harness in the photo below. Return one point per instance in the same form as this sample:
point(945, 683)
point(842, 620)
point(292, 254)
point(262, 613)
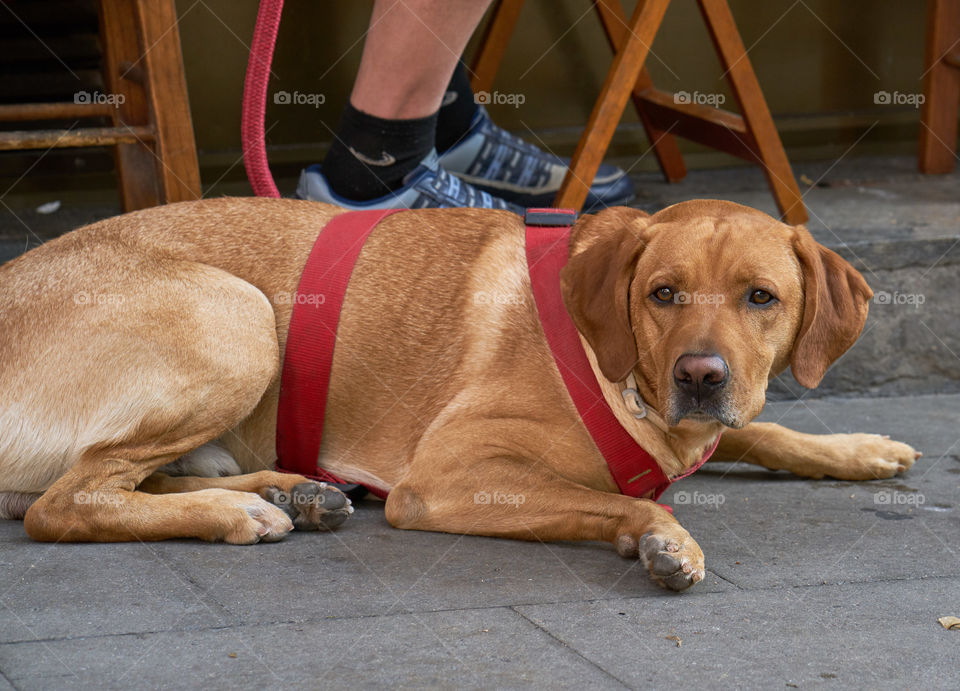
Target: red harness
point(313, 330)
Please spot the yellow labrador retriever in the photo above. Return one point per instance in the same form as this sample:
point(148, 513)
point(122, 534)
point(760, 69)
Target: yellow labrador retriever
point(154, 340)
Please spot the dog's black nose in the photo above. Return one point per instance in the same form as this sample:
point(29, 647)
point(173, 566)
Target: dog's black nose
point(700, 376)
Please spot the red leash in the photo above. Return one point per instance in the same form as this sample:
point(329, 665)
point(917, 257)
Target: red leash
point(252, 136)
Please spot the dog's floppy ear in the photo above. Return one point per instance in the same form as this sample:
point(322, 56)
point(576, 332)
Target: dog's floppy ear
point(596, 283)
point(836, 299)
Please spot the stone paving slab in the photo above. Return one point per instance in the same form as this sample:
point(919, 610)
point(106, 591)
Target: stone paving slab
point(52, 591)
point(876, 636)
point(477, 648)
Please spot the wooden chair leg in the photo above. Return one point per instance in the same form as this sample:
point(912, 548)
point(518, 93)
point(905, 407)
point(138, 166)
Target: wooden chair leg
point(609, 107)
point(494, 44)
point(665, 148)
point(136, 164)
point(941, 88)
point(753, 108)
point(166, 87)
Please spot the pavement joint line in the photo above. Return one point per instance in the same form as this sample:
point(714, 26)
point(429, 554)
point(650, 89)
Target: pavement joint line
point(566, 646)
point(658, 594)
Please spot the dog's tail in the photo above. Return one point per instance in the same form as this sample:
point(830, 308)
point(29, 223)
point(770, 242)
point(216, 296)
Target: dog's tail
point(14, 505)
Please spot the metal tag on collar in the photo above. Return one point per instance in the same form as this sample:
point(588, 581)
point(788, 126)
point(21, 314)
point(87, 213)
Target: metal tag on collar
point(632, 396)
point(550, 217)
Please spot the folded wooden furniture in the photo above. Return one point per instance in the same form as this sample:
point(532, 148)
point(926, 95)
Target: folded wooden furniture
point(750, 135)
point(941, 88)
point(145, 98)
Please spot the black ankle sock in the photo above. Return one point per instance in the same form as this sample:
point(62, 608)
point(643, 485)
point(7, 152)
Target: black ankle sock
point(457, 111)
point(388, 150)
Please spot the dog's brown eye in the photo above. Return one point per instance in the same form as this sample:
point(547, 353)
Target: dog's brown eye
point(663, 294)
point(761, 297)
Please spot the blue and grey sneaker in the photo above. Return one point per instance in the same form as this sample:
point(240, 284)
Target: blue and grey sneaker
point(492, 159)
point(428, 186)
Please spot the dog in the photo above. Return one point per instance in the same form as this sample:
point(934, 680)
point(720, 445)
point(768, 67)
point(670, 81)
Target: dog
point(141, 357)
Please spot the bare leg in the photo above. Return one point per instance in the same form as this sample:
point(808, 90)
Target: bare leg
point(409, 54)
point(843, 456)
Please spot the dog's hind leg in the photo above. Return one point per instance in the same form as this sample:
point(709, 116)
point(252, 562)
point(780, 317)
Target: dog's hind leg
point(137, 383)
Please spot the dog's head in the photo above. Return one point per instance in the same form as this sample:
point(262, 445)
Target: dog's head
point(706, 301)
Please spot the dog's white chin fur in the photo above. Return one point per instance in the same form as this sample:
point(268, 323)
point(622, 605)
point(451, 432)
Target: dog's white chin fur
point(209, 460)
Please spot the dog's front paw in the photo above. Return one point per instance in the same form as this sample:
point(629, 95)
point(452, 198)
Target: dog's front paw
point(312, 505)
point(672, 557)
point(869, 457)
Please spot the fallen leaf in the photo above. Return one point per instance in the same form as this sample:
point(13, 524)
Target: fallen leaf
point(677, 639)
point(950, 622)
point(807, 181)
point(231, 654)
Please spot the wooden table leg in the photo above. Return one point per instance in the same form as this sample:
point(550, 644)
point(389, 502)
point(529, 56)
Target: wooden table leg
point(494, 44)
point(609, 106)
point(166, 87)
point(135, 162)
point(754, 110)
point(665, 148)
point(941, 88)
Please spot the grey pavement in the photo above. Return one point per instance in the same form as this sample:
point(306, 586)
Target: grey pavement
point(810, 583)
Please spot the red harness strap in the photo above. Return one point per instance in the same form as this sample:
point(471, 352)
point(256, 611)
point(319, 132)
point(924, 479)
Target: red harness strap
point(308, 357)
point(313, 330)
point(634, 470)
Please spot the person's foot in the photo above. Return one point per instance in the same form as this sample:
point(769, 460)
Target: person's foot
point(428, 186)
point(492, 159)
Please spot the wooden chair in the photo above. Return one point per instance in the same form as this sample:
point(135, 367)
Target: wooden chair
point(941, 88)
point(146, 100)
point(750, 135)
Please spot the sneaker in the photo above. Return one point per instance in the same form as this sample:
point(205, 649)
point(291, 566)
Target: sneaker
point(428, 186)
point(492, 159)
